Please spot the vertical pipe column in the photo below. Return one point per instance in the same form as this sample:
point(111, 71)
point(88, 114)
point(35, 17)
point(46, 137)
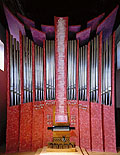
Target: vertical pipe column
point(8, 68)
point(97, 66)
point(77, 87)
point(21, 66)
point(33, 71)
point(15, 71)
point(11, 73)
point(75, 65)
point(36, 72)
point(109, 112)
point(88, 72)
point(96, 111)
point(85, 73)
point(44, 55)
point(18, 74)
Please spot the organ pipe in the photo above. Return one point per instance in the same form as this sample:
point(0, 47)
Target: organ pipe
point(71, 78)
point(39, 73)
point(106, 71)
point(83, 73)
point(50, 70)
point(27, 69)
point(94, 55)
point(14, 72)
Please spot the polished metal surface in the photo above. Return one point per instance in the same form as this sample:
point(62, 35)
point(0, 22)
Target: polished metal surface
point(106, 71)
point(71, 75)
point(83, 73)
point(14, 72)
point(50, 69)
point(94, 61)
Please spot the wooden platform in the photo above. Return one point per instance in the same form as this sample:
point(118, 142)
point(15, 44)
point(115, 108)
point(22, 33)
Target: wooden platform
point(70, 151)
point(61, 150)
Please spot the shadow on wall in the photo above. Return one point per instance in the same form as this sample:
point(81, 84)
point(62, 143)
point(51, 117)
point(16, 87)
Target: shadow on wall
point(3, 92)
point(118, 107)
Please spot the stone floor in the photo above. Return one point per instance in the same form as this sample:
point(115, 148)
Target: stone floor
point(43, 152)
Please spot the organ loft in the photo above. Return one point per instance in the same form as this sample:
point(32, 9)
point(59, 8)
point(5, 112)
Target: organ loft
point(61, 85)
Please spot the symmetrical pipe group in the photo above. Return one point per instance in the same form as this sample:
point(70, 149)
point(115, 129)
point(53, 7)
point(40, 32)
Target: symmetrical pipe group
point(39, 76)
point(106, 71)
point(83, 73)
point(27, 69)
point(94, 61)
point(71, 76)
point(50, 69)
point(14, 72)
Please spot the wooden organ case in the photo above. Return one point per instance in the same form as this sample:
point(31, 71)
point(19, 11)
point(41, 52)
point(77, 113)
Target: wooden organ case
point(64, 81)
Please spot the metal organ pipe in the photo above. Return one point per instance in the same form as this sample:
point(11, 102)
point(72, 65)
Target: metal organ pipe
point(27, 69)
point(39, 81)
point(109, 74)
point(75, 61)
point(71, 79)
point(106, 71)
point(94, 53)
point(83, 73)
point(50, 70)
point(14, 72)
point(36, 71)
point(18, 74)
point(97, 68)
point(11, 71)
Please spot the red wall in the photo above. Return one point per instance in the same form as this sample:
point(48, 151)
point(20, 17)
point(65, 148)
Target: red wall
point(3, 91)
point(3, 103)
point(94, 123)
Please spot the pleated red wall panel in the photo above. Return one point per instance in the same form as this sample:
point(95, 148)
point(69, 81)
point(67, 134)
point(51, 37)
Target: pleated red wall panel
point(109, 129)
point(12, 132)
point(37, 126)
point(96, 127)
point(96, 111)
point(109, 113)
point(74, 134)
point(84, 125)
point(48, 122)
point(26, 127)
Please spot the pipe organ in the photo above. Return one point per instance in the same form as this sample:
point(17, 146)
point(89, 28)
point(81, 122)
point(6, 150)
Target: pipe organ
point(72, 63)
point(39, 74)
point(94, 69)
point(14, 72)
point(50, 69)
point(27, 69)
point(106, 71)
point(34, 90)
point(83, 73)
